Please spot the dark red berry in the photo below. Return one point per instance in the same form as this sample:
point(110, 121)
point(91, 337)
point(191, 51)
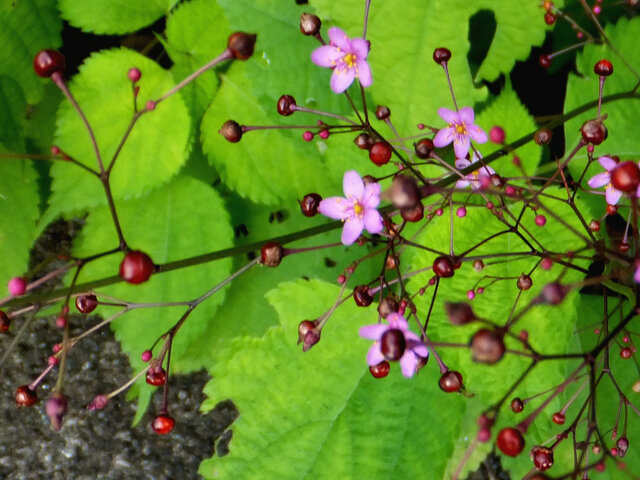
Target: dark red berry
point(361, 296)
point(542, 457)
point(241, 45)
point(549, 18)
point(308, 334)
point(542, 136)
point(423, 148)
point(393, 344)
point(309, 24)
point(524, 282)
point(380, 153)
point(443, 267)
point(136, 267)
point(544, 61)
point(626, 176)
point(441, 55)
point(594, 225)
point(450, 381)
point(459, 313)
point(285, 102)
point(309, 204)
point(603, 68)
point(594, 132)
point(626, 353)
point(517, 405)
point(510, 441)
point(497, 135)
point(486, 346)
point(382, 112)
point(559, 418)
point(271, 254)
point(86, 303)
point(413, 214)
point(363, 141)
point(612, 209)
point(25, 396)
point(163, 424)
point(380, 370)
point(156, 376)
point(624, 247)
point(48, 62)
point(231, 130)
point(5, 322)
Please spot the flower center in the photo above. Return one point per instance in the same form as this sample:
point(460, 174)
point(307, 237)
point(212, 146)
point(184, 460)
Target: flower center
point(358, 209)
point(461, 128)
point(349, 59)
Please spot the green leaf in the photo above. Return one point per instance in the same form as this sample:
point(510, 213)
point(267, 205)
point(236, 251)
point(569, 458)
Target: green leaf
point(114, 16)
point(156, 149)
point(26, 27)
point(12, 120)
point(320, 425)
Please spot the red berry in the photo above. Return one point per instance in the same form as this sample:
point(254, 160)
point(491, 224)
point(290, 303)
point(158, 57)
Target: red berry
point(163, 424)
point(459, 313)
point(361, 296)
point(136, 267)
point(594, 226)
point(626, 353)
point(423, 148)
point(541, 220)
point(603, 68)
point(517, 405)
point(542, 457)
point(393, 344)
point(309, 24)
point(17, 286)
point(25, 396)
point(380, 370)
point(549, 18)
point(487, 346)
point(241, 45)
point(510, 441)
point(363, 141)
point(5, 322)
point(48, 62)
point(594, 132)
point(382, 112)
point(497, 135)
point(558, 418)
point(271, 254)
point(524, 282)
point(231, 130)
point(443, 267)
point(450, 381)
point(612, 209)
point(156, 376)
point(380, 153)
point(86, 303)
point(309, 204)
point(542, 136)
point(441, 55)
point(544, 61)
point(134, 74)
point(626, 176)
point(285, 102)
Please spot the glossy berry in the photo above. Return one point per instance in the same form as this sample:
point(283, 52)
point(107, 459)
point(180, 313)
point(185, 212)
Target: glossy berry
point(380, 370)
point(413, 214)
point(309, 204)
point(134, 75)
point(309, 24)
point(541, 220)
point(626, 353)
point(594, 225)
point(524, 282)
point(136, 267)
point(380, 153)
point(361, 296)
point(459, 313)
point(363, 141)
point(510, 441)
point(86, 303)
point(549, 18)
point(497, 135)
point(308, 334)
point(17, 286)
point(156, 376)
point(542, 457)
point(146, 356)
point(626, 177)
point(393, 344)
point(423, 148)
point(285, 102)
point(382, 112)
point(25, 396)
point(559, 418)
point(594, 132)
point(5, 322)
point(542, 136)
point(517, 405)
point(231, 130)
point(443, 267)
point(487, 346)
point(604, 68)
point(271, 254)
point(241, 45)
point(544, 61)
point(450, 381)
point(48, 62)
point(441, 55)
point(163, 424)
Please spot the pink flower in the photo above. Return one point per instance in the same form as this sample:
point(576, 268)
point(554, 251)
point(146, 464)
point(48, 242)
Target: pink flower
point(478, 179)
point(460, 130)
point(604, 180)
point(413, 351)
point(358, 210)
point(347, 57)
point(636, 276)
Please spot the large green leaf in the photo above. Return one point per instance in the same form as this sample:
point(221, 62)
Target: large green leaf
point(153, 153)
point(335, 420)
point(114, 16)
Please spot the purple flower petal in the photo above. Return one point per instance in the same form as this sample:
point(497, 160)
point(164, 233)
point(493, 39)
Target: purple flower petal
point(342, 79)
point(352, 185)
point(337, 208)
point(408, 363)
point(360, 47)
point(364, 72)
point(418, 348)
point(461, 146)
point(448, 116)
point(373, 332)
point(444, 137)
point(326, 56)
point(599, 180)
point(466, 115)
point(339, 38)
point(397, 321)
point(607, 163)
point(636, 276)
point(371, 196)
point(462, 163)
point(352, 229)
point(612, 195)
point(374, 355)
point(476, 133)
point(373, 221)
point(462, 183)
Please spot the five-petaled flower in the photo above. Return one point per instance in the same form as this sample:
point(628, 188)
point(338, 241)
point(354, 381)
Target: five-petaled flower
point(347, 57)
point(478, 179)
point(358, 210)
point(461, 131)
point(604, 180)
point(414, 349)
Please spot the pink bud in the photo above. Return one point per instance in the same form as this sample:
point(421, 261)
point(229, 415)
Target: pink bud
point(541, 220)
point(471, 294)
point(98, 403)
point(134, 74)
point(324, 134)
point(56, 407)
point(151, 105)
point(146, 355)
point(307, 136)
point(496, 134)
point(17, 286)
point(461, 212)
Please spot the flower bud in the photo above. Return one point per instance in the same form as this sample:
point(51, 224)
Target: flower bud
point(56, 407)
point(241, 45)
point(17, 286)
point(98, 402)
point(308, 334)
point(623, 446)
point(310, 24)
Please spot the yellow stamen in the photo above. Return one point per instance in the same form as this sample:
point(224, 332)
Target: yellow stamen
point(461, 128)
point(357, 209)
point(349, 59)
